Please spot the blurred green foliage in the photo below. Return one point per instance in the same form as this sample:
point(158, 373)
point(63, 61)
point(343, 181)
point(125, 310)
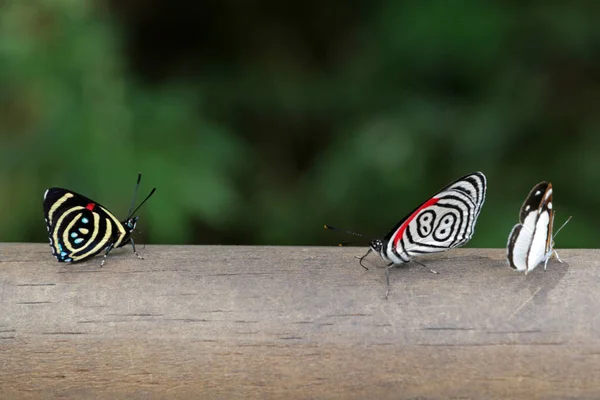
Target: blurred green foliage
point(259, 123)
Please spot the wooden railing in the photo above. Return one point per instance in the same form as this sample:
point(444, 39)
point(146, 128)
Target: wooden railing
point(229, 322)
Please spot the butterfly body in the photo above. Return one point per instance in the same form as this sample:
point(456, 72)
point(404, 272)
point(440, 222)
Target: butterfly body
point(530, 241)
point(445, 221)
point(80, 228)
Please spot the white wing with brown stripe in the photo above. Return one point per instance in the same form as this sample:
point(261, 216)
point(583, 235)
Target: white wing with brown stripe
point(530, 242)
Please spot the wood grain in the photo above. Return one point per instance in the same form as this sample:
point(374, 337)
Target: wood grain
point(296, 322)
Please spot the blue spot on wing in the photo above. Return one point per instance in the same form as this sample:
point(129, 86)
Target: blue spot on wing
point(73, 234)
point(85, 220)
point(78, 240)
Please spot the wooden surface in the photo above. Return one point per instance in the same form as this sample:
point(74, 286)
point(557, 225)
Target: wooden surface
point(296, 322)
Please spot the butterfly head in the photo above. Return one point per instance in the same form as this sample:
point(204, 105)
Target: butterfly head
point(131, 223)
point(377, 245)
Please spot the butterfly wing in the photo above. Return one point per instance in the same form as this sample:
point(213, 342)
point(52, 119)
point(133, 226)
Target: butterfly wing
point(79, 228)
point(445, 221)
point(521, 236)
point(530, 240)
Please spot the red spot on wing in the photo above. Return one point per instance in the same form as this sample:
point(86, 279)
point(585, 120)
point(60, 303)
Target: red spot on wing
point(402, 228)
point(90, 206)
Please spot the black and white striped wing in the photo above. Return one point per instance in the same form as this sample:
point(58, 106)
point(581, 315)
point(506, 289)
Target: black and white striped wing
point(79, 228)
point(445, 221)
point(530, 241)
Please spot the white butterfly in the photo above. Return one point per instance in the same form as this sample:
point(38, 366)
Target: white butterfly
point(531, 242)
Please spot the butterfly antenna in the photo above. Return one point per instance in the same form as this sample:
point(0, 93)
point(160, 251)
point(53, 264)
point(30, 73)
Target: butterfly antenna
point(562, 226)
point(342, 230)
point(137, 185)
point(142, 203)
point(343, 244)
point(332, 228)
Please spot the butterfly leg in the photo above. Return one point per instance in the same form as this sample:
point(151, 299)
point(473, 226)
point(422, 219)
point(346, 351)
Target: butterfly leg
point(360, 259)
point(134, 251)
point(108, 249)
point(426, 267)
point(387, 279)
point(549, 256)
point(557, 257)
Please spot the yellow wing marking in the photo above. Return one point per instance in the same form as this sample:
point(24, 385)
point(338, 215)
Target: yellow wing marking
point(119, 226)
point(66, 233)
point(59, 222)
point(57, 204)
point(102, 243)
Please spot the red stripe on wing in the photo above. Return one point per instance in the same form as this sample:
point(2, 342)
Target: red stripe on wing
point(402, 228)
point(90, 206)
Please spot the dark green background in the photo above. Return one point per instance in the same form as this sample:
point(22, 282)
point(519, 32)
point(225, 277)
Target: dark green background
point(260, 121)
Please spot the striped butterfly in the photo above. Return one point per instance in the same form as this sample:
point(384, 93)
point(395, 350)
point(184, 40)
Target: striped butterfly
point(531, 242)
point(80, 228)
point(445, 221)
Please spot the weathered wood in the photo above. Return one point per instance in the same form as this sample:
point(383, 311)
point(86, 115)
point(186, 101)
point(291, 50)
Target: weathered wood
point(295, 322)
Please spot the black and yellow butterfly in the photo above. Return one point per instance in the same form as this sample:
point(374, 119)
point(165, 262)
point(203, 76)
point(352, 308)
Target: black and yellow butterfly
point(79, 228)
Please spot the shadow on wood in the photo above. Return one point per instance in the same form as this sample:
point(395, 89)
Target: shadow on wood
point(295, 322)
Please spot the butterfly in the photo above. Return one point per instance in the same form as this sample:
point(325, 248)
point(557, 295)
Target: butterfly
point(531, 242)
point(80, 228)
point(445, 221)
